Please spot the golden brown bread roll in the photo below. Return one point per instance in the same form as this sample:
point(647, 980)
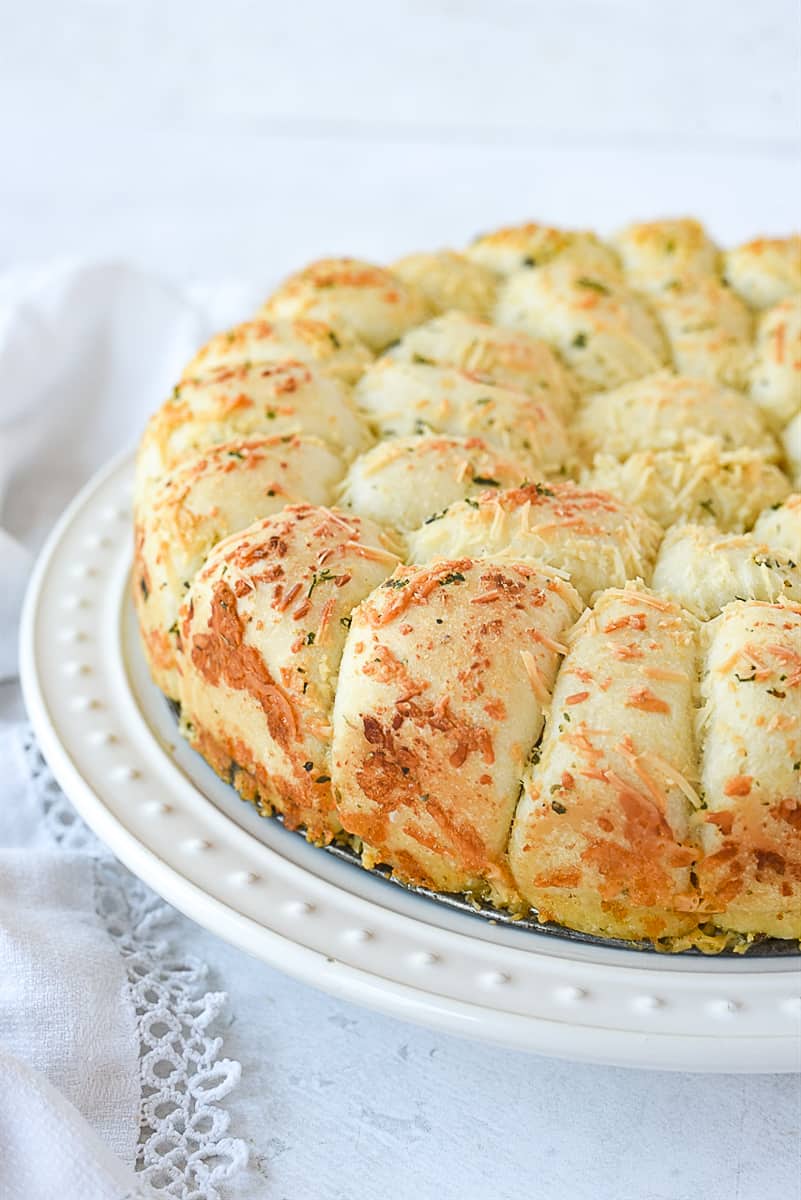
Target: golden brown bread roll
point(261, 634)
point(206, 498)
point(601, 838)
point(444, 681)
point(750, 873)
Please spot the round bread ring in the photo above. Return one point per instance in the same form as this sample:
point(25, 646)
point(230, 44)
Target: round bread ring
point(481, 426)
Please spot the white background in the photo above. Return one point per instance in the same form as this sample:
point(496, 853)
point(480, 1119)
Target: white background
point(230, 141)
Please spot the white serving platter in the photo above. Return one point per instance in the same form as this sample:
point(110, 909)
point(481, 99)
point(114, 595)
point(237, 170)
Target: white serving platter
point(113, 745)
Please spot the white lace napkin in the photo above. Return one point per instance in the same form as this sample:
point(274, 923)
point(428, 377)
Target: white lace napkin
point(107, 1056)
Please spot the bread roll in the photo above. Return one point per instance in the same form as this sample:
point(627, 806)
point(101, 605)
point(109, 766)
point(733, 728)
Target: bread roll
point(591, 536)
point(601, 839)
point(282, 399)
point(449, 281)
point(708, 328)
point(408, 481)
point(764, 271)
point(701, 483)
point(403, 399)
point(507, 357)
point(780, 526)
point(206, 498)
point(654, 252)
point(350, 295)
point(442, 689)
point(750, 874)
point(261, 635)
point(529, 247)
point(775, 375)
point(668, 412)
point(705, 569)
point(604, 331)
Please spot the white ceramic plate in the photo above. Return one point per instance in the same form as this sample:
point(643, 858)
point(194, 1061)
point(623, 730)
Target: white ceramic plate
point(112, 743)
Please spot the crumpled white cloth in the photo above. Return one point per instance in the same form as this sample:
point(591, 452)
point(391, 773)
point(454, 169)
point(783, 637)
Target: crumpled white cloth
point(86, 353)
point(70, 1162)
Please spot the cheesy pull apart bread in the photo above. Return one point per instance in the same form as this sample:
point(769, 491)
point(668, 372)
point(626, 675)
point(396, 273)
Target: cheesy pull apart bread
point(488, 564)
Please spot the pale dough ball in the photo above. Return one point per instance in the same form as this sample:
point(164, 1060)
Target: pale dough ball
point(450, 281)
point(406, 481)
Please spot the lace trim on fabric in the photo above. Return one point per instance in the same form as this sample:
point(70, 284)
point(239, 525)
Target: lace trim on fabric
point(184, 1149)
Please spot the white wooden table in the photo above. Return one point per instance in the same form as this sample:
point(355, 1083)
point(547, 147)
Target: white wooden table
point(233, 141)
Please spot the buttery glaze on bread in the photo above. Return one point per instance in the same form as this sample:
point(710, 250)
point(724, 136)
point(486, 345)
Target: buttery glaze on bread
point(490, 564)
